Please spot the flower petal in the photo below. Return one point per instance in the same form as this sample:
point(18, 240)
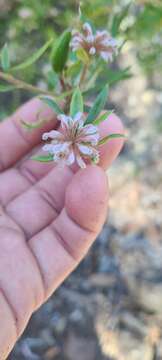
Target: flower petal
point(48, 148)
point(112, 42)
point(90, 39)
point(71, 158)
point(45, 136)
point(63, 118)
point(53, 134)
point(102, 35)
point(106, 55)
point(77, 38)
point(92, 50)
point(89, 133)
point(85, 149)
point(80, 162)
point(79, 119)
point(61, 147)
point(89, 151)
point(91, 139)
point(66, 121)
point(90, 129)
point(87, 29)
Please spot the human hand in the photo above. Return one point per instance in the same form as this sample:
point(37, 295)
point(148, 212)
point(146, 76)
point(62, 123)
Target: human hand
point(49, 217)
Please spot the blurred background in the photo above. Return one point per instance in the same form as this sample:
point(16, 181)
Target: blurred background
point(110, 308)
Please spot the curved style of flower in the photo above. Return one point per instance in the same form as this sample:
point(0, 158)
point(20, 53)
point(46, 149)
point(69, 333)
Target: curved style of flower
point(75, 142)
point(100, 43)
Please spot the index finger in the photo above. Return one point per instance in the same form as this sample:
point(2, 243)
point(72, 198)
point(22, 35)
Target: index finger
point(16, 141)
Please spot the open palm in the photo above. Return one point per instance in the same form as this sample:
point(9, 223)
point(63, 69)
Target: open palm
point(49, 217)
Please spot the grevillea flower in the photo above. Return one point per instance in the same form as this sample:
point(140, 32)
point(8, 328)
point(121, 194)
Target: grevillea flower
point(100, 43)
point(75, 142)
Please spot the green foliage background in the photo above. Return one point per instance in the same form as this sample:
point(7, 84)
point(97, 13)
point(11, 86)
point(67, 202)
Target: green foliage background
point(27, 24)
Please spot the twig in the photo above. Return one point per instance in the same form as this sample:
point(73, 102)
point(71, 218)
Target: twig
point(20, 84)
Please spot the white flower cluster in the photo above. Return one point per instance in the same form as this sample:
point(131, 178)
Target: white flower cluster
point(75, 142)
point(101, 43)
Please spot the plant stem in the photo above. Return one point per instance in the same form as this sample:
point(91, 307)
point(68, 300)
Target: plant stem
point(63, 83)
point(20, 84)
point(84, 72)
point(90, 83)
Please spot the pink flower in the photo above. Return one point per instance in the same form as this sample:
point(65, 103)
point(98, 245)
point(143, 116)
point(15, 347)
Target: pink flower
point(74, 142)
point(100, 43)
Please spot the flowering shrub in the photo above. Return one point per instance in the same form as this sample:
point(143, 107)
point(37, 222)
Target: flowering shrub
point(77, 58)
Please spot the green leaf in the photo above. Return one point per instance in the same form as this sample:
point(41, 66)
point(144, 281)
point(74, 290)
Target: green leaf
point(65, 94)
point(60, 51)
point(74, 69)
point(110, 137)
point(83, 56)
point(5, 60)
point(6, 88)
point(118, 18)
point(109, 76)
point(32, 126)
point(53, 79)
point(98, 105)
point(87, 108)
point(113, 77)
point(76, 103)
point(35, 57)
point(43, 158)
point(84, 17)
point(102, 117)
point(52, 104)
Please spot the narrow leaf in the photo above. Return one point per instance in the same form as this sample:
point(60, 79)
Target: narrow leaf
point(111, 77)
point(60, 51)
point(32, 126)
point(118, 18)
point(74, 69)
point(76, 103)
point(98, 105)
point(53, 79)
point(52, 104)
point(110, 137)
point(102, 117)
point(5, 60)
point(82, 55)
point(6, 88)
point(87, 108)
point(35, 57)
point(43, 158)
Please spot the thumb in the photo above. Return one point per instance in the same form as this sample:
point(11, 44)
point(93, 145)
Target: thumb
point(60, 247)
